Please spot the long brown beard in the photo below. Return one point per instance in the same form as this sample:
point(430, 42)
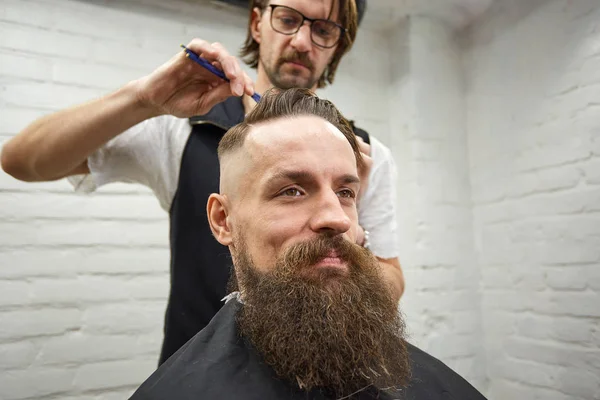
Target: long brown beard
point(338, 332)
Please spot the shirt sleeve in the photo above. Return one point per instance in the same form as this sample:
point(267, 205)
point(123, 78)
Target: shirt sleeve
point(148, 153)
point(377, 210)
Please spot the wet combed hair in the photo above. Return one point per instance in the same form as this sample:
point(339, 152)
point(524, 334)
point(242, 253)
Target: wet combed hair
point(277, 103)
point(348, 18)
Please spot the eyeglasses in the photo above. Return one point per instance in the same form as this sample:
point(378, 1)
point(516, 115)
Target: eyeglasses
point(323, 32)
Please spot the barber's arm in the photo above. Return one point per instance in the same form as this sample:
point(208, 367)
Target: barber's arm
point(391, 267)
point(377, 212)
point(58, 145)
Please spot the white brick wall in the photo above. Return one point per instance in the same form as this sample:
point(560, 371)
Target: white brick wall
point(429, 143)
point(532, 74)
point(84, 279)
point(498, 150)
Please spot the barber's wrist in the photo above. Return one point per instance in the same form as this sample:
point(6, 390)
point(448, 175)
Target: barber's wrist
point(362, 239)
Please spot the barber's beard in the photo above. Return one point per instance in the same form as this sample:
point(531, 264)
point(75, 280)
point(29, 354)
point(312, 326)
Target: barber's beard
point(323, 328)
point(288, 80)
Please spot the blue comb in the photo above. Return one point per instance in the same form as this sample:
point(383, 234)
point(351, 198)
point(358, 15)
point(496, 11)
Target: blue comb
point(206, 64)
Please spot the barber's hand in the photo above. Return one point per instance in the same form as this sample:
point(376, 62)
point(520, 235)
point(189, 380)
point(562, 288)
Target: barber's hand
point(183, 88)
point(363, 173)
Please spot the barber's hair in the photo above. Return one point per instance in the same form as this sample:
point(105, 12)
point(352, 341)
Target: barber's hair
point(348, 18)
point(278, 103)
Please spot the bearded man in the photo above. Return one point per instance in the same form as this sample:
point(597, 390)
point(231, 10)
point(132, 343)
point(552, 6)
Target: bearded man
point(311, 315)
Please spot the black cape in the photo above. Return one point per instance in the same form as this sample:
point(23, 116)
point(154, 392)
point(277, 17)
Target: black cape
point(218, 364)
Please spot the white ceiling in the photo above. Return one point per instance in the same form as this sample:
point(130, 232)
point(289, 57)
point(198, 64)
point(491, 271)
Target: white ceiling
point(457, 13)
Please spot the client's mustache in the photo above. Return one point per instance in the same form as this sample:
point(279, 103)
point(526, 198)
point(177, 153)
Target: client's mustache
point(310, 252)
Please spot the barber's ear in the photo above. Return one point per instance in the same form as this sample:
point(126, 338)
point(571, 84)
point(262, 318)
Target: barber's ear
point(217, 211)
point(255, 24)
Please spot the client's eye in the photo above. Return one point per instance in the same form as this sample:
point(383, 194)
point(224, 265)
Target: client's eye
point(346, 193)
point(291, 192)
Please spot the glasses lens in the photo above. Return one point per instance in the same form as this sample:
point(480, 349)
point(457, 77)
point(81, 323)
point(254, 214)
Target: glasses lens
point(325, 33)
point(285, 20)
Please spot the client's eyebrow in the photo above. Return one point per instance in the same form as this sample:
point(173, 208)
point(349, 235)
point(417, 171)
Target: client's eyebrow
point(307, 177)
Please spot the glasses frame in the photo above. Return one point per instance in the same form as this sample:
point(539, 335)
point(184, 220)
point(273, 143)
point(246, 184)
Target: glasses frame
point(311, 21)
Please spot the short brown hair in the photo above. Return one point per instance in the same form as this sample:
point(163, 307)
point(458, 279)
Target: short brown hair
point(348, 18)
point(278, 103)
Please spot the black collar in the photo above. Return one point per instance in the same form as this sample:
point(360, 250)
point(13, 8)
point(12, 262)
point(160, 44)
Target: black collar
point(225, 114)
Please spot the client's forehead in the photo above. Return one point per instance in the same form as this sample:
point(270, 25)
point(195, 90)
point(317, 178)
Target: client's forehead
point(295, 134)
point(306, 146)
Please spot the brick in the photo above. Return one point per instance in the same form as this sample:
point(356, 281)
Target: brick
point(535, 326)
point(108, 394)
point(449, 346)
point(434, 279)
point(566, 278)
point(592, 272)
point(42, 15)
point(573, 330)
point(546, 181)
point(82, 289)
point(47, 42)
point(496, 244)
point(50, 96)
point(16, 119)
point(559, 203)
point(579, 304)
point(10, 184)
point(52, 233)
point(14, 292)
point(550, 353)
point(77, 348)
point(24, 66)
point(113, 374)
point(561, 329)
point(71, 262)
point(567, 251)
point(494, 213)
point(519, 390)
point(423, 302)
point(75, 207)
point(466, 322)
point(30, 323)
point(149, 287)
point(503, 300)
point(128, 55)
point(596, 143)
point(580, 382)
point(529, 373)
point(17, 355)
point(46, 382)
point(94, 75)
point(140, 316)
point(592, 172)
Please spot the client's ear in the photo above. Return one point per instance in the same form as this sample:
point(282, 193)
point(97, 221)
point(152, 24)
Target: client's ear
point(217, 212)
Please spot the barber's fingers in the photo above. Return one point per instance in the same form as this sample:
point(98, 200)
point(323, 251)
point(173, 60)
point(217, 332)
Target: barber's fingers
point(240, 82)
point(249, 88)
point(216, 53)
point(367, 164)
point(364, 147)
point(249, 84)
point(220, 91)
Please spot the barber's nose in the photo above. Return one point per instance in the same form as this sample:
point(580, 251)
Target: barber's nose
point(302, 41)
point(329, 215)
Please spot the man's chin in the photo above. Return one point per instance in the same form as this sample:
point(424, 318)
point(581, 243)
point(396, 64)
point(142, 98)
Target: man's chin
point(325, 273)
point(289, 81)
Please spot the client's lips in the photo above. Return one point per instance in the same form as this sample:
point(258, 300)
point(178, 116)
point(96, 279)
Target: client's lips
point(332, 259)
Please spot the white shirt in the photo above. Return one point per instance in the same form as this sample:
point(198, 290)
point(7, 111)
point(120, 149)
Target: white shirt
point(150, 154)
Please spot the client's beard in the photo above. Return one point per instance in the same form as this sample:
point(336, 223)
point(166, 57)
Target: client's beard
point(324, 328)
